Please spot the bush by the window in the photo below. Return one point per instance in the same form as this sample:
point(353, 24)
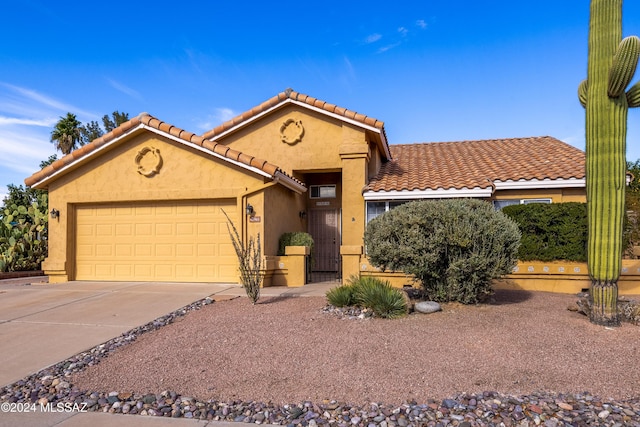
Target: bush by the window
point(298, 238)
point(551, 232)
point(455, 248)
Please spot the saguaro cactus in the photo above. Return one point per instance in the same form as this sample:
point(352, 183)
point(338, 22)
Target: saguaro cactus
point(612, 64)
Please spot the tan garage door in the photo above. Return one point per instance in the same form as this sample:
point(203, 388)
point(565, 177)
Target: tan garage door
point(169, 242)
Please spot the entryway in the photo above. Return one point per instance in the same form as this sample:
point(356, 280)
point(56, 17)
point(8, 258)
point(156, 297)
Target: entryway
point(324, 227)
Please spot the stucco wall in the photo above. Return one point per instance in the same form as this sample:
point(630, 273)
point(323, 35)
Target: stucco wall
point(559, 195)
point(317, 150)
point(112, 176)
point(282, 216)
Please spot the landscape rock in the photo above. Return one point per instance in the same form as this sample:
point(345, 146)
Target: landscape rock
point(489, 408)
point(427, 307)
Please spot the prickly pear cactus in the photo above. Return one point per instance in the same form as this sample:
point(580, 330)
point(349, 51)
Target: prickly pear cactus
point(612, 64)
point(23, 237)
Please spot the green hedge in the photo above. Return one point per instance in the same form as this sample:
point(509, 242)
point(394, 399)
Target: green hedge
point(298, 238)
point(551, 231)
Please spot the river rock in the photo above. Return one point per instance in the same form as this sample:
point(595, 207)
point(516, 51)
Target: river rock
point(427, 307)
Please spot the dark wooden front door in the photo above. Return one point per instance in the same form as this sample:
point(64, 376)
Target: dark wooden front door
point(324, 227)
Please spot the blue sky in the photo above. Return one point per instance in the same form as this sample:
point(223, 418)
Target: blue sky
point(444, 70)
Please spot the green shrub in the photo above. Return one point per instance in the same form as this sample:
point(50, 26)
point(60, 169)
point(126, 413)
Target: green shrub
point(379, 296)
point(454, 248)
point(341, 296)
point(551, 231)
point(298, 238)
point(372, 293)
point(23, 236)
point(631, 236)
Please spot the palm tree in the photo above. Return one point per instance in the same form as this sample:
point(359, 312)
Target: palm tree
point(66, 134)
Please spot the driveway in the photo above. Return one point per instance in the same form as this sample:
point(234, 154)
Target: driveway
point(42, 324)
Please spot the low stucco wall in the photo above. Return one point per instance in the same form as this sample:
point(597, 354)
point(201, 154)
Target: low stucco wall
point(289, 269)
point(560, 277)
point(566, 277)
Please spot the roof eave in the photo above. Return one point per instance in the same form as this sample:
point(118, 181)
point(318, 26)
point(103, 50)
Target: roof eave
point(531, 184)
point(287, 101)
point(279, 177)
point(43, 183)
point(439, 193)
point(209, 152)
point(289, 182)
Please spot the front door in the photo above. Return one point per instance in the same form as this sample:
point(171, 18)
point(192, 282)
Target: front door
point(324, 227)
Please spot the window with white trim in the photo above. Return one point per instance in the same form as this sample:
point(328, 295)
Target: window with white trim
point(322, 191)
point(499, 204)
point(375, 209)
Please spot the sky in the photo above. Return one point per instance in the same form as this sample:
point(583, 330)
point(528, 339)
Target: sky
point(431, 70)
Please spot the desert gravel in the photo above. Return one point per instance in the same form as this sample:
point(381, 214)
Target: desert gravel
point(287, 350)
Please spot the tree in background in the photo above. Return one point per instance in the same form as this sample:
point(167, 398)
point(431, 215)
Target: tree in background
point(632, 206)
point(66, 134)
point(611, 65)
point(92, 130)
point(117, 118)
point(634, 168)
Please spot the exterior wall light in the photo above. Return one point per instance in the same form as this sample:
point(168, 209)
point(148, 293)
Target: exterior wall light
point(302, 214)
point(55, 213)
point(250, 210)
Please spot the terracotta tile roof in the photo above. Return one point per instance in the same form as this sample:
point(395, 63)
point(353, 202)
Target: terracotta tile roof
point(152, 122)
point(290, 94)
point(477, 164)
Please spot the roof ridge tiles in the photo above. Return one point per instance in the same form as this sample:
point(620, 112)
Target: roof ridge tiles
point(146, 119)
point(282, 97)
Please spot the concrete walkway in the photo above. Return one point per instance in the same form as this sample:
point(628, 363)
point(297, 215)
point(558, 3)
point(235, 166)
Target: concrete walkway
point(42, 324)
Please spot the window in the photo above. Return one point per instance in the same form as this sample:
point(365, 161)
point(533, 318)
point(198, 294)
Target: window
point(499, 204)
point(322, 192)
point(375, 209)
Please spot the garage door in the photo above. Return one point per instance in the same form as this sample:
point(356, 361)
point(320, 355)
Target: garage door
point(169, 242)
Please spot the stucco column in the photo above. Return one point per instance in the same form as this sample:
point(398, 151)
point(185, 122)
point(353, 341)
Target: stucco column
point(354, 153)
point(55, 265)
point(350, 260)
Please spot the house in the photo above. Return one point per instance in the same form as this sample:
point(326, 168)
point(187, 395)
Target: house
point(147, 201)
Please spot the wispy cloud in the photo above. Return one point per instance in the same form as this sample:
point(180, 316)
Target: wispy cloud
point(351, 72)
point(388, 47)
point(124, 89)
point(402, 35)
point(22, 148)
point(46, 122)
point(60, 107)
point(223, 114)
point(26, 119)
point(220, 115)
point(372, 38)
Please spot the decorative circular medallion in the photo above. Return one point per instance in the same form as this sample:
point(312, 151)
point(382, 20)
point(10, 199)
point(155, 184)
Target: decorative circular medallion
point(291, 131)
point(148, 161)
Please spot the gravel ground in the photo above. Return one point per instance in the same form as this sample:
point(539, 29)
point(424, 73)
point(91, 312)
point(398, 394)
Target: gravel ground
point(287, 350)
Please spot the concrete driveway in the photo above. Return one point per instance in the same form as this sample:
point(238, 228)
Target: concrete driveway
point(42, 324)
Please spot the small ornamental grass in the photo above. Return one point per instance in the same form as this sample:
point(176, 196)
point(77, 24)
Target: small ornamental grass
point(371, 293)
point(341, 296)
